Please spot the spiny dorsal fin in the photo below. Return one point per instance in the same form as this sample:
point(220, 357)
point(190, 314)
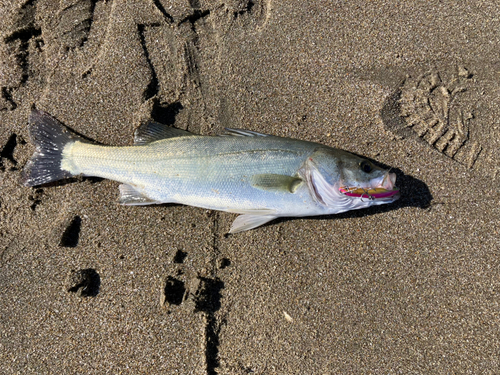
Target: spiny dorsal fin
point(154, 131)
point(276, 182)
point(244, 133)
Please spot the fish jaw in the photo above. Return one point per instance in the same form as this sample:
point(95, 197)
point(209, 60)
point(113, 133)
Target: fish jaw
point(380, 188)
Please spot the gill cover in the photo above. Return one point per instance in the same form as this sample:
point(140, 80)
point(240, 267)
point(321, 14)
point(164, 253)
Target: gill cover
point(322, 173)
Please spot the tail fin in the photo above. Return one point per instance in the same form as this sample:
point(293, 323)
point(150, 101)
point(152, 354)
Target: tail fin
point(49, 137)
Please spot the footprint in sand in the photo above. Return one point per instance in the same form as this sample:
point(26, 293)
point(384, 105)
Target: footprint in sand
point(452, 109)
point(428, 104)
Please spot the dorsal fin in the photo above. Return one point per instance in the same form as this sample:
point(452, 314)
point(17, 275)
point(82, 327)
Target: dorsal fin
point(243, 133)
point(154, 131)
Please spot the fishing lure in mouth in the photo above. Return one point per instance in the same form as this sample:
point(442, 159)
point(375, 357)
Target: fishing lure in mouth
point(374, 193)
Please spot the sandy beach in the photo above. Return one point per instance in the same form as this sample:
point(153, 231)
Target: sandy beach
point(91, 286)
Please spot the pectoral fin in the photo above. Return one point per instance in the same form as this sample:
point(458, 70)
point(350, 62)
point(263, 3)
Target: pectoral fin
point(247, 222)
point(276, 182)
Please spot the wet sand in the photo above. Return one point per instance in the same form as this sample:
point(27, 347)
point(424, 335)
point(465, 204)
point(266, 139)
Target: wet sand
point(89, 286)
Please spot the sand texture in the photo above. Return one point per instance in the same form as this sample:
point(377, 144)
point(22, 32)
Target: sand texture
point(88, 286)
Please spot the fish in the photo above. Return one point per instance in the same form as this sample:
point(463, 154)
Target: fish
point(258, 176)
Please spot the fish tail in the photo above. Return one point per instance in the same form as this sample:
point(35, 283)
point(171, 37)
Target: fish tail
point(50, 137)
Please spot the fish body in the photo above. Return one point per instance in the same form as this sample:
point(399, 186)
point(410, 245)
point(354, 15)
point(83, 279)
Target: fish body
point(258, 176)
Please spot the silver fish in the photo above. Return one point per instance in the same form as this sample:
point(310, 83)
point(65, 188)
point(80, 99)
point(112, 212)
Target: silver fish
point(261, 177)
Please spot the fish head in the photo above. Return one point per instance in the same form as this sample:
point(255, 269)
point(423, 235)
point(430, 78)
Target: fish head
point(343, 181)
point(359, 177)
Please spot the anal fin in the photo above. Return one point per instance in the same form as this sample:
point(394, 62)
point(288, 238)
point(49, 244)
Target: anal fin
point(129, 196)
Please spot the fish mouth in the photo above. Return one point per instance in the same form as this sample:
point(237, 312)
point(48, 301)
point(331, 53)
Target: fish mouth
point(380, 188)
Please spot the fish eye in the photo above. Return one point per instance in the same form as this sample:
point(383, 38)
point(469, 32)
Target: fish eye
point(365, 166)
